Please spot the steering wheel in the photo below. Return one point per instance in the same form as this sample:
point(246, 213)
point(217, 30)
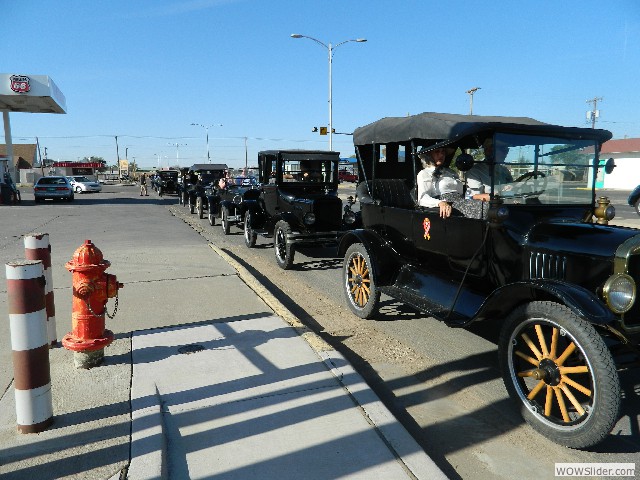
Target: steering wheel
point(524, 178)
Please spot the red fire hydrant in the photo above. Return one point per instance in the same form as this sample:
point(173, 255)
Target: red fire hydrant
point(92, 287)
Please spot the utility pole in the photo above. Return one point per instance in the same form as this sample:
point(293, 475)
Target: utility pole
point(471, 92)
point(595, 113)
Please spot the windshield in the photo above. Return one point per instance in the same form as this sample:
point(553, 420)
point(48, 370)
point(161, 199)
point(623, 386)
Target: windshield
point(80, 179)
point(168, 174)
point(304, 171)
point(550, 170)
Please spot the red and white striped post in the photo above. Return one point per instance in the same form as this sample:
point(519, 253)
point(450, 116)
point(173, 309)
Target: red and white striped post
point(37, 247)
point(30, 346)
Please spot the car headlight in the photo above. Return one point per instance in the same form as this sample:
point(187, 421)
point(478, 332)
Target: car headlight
point(619, 292)
point(349, 217)
point(309, 218)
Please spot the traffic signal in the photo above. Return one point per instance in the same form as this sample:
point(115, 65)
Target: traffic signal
point(323, 130)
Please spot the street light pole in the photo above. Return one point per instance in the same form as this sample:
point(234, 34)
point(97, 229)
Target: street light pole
point(471, 92)
point(177, 145)
point(207, 127)
point(330, 48)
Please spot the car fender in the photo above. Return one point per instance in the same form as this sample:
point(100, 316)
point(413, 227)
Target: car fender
point(384, 260)
point(634, 196)
point(584, 303)
point(257, 215)
point(214, 203)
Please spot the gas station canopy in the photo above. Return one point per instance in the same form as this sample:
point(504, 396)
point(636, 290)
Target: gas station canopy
point(30, 93)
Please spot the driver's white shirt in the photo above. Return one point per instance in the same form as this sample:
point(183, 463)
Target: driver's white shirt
point(479, 178)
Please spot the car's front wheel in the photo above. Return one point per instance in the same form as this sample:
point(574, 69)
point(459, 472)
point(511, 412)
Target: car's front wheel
point(250, 236)
point(224, 212)
point(361, 291)
point(284, 250)
point(78, 189)
point(558, 369)
point(200, 207)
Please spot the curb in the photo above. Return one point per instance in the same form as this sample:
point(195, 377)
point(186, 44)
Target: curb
point(396, 437)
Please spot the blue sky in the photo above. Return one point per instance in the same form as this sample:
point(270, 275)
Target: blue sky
point(145, 70)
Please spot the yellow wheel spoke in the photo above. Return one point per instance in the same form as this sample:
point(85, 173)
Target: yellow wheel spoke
point(365, 289)
point(554, 343)
point(548, 401)
point(561, 404)
point(353, 271)
point(527, 358)
point(572, 399)
point(536, 390)
point(365, 297)
point(542, 341)
point(568, 351)
point(533, 348)
point(580, 369)
point(576, 385)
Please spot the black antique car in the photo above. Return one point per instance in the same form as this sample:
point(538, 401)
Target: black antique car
point(229, 201)
point(199, 182)
point(297, 202)
point(165, 181)
point(542, 262)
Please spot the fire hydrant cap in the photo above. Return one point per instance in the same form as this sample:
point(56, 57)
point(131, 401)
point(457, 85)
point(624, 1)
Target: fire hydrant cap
point(87, 255)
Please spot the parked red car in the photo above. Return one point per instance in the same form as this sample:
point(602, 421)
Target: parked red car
point(347, 176)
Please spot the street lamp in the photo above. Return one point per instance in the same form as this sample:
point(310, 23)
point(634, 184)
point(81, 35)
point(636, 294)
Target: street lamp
point(177, 145)
point(471, 92)
point(207, 127)
point(157, 155)
point(330, 48)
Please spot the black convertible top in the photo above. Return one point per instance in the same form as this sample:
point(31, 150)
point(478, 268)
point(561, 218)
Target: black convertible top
point(203, 167)
point(450, 126)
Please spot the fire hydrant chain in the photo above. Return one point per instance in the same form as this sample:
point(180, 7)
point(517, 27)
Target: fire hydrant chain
point(115, 309)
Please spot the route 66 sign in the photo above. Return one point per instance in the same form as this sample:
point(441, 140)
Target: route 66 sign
point(20, 83)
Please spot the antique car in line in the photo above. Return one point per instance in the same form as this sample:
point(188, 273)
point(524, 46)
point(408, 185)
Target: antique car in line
point(229, 200)
point(165, 181)
point(297, 202)
point(542, 261)
point(201, 180)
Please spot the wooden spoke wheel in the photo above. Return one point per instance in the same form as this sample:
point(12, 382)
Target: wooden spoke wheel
point(284, 251)
point(362, 294)
point(558, 368)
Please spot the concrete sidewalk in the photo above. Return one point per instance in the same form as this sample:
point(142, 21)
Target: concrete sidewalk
point(235, 387)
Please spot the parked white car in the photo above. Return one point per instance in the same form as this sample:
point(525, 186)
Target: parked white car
point(82, 184)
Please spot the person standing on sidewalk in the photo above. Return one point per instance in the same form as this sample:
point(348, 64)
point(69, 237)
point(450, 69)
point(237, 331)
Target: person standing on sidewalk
point(143, 185)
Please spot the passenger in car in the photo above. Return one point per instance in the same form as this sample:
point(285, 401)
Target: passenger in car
point(479, 177)
point(439, 186)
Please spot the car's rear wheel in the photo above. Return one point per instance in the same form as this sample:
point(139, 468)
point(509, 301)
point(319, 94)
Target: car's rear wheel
point(200, 207)
point(284, 250)
point(558, 369)
point(224, 212)
point(249, 235)
point(361, 291)
point(78, 189)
